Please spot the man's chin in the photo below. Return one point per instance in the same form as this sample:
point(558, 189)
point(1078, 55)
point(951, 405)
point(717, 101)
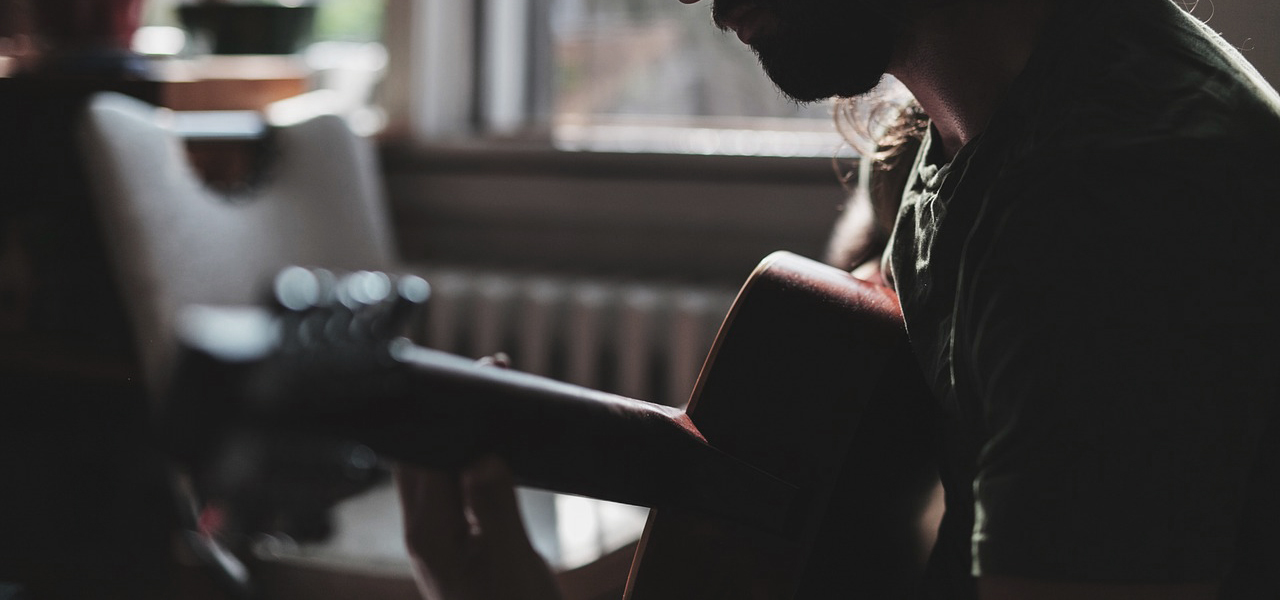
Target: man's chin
point(810, 74)
point(814, 80)
point(812, 91)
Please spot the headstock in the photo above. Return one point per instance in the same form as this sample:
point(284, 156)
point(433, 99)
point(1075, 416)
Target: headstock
point(256, 387)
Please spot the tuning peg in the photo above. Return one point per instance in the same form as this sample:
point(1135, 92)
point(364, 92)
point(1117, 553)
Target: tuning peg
point(412, 289)
point(296, 289)
point(363, 288)
point(411, 292)
point(299, 289)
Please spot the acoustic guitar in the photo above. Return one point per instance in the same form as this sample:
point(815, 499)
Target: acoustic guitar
point(796, 471)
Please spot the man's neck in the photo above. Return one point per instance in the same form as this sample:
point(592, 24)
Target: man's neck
point(960, 60)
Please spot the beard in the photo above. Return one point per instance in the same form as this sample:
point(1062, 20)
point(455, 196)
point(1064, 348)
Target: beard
point(824, 48)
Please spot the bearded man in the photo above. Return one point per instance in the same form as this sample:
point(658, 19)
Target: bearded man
point(1084, 256)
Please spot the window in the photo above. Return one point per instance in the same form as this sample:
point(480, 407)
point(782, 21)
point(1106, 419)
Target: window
point(612, 75)
point(617, 75)
point(657, 57)
point(609, 75)
point(655, 75)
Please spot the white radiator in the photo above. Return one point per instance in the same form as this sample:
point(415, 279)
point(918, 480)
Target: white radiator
point(640, 340)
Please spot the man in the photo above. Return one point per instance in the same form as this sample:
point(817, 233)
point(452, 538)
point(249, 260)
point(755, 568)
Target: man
point(1084, 258)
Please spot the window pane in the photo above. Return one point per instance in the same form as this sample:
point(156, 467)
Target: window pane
point(636, 75)
point(658, 57)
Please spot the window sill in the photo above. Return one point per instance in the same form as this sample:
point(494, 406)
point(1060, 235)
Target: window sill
point(526, 206)
point(526, 157)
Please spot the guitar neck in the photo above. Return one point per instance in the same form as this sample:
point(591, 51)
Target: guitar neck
point(567, 438)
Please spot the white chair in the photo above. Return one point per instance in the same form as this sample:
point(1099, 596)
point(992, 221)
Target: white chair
point(174, 241)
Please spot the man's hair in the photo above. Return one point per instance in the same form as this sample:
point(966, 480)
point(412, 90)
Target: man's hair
point(880, 124)
point(886, 130)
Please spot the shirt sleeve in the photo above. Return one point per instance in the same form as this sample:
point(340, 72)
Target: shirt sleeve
point(1115, 331)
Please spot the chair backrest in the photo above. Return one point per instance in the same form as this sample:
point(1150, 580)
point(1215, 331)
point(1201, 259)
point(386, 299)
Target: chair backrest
point(173, 241)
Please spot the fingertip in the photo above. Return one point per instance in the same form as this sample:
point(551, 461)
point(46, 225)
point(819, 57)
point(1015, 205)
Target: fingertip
point(489, 488)
point(500, 360)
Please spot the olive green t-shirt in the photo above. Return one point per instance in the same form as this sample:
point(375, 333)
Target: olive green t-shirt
point(1092, 287)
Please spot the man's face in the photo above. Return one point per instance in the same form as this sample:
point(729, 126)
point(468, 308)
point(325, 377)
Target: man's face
point(816, 49)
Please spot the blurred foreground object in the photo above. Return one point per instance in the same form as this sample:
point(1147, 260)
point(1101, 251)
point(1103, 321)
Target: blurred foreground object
point(88, 38)
point(171, 241)
point(237, 28)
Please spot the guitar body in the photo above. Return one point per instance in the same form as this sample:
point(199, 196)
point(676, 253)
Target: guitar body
point(810, 379)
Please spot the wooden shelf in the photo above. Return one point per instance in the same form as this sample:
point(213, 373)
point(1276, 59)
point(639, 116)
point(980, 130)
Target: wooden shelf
point(211, 83)
point(229, 82)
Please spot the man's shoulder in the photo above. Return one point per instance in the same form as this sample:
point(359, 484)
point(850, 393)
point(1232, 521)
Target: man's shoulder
point(1143, 75)
point(1148, 96)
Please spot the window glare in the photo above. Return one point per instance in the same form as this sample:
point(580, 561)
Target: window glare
point(657, 76)
point(657, 57)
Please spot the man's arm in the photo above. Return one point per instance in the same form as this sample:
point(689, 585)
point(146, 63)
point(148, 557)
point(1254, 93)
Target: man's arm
point(1123, 404)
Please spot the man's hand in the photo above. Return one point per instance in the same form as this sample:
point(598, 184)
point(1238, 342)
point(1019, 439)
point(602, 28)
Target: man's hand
point(466, 537)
